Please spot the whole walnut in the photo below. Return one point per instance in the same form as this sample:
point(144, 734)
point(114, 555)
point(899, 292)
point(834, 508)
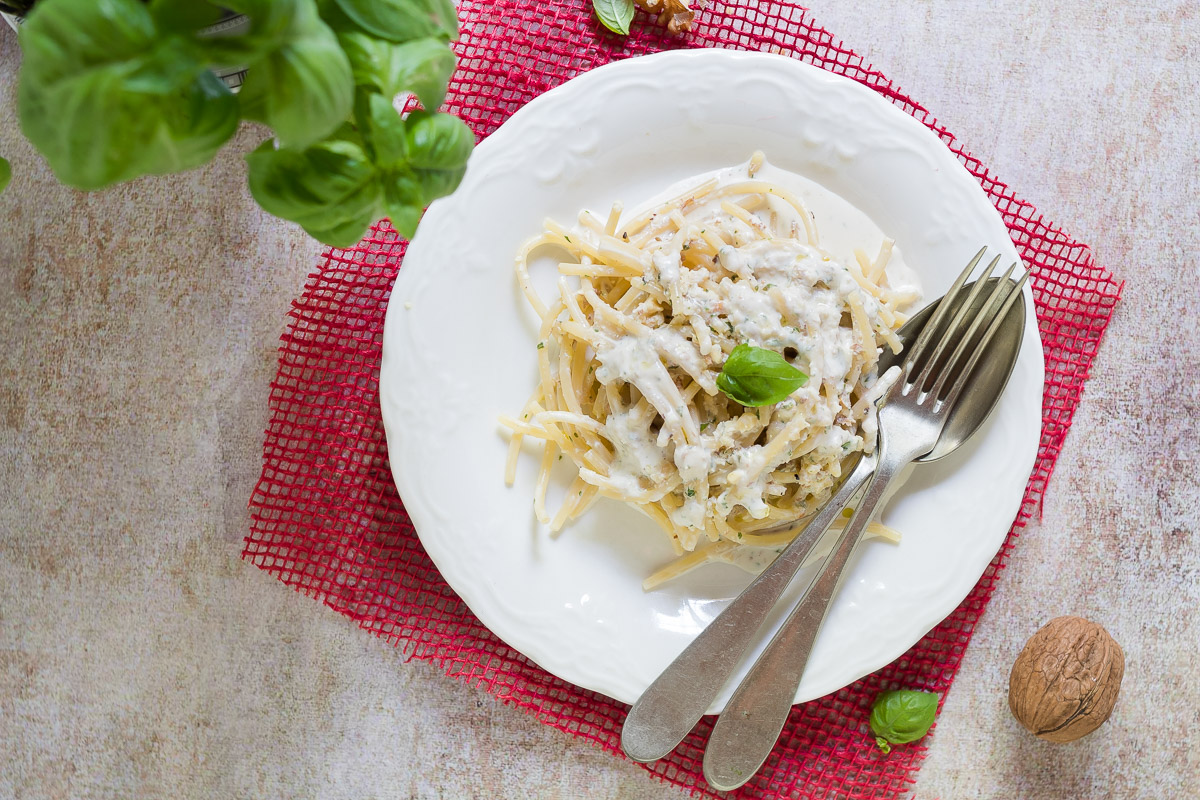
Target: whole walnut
point(1065, 682)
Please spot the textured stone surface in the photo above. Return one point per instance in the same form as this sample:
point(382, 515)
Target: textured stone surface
point(140, 658)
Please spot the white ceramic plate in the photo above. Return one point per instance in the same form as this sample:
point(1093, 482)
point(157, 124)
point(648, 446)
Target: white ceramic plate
point(459, 349)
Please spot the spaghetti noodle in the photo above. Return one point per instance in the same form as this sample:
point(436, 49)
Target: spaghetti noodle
point(630, 348)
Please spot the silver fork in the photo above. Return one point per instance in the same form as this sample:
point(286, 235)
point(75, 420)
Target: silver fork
point(912, 414)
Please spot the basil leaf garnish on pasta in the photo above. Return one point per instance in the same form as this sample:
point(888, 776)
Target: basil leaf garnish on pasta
point(755, 376)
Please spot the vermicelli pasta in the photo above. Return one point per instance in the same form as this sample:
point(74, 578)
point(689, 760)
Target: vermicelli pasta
point(632, 344)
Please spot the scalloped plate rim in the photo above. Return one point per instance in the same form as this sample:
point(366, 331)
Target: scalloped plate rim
point(481, 600)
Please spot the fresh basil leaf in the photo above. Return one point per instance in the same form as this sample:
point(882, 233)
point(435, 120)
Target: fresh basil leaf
point(5, 173)
point(438, 141)
point(371, 61)
point(95, 130)
point(330, 189)
point(304, 88)
point(614, 14)
point(342, 232)
point(422, 66)
point(403, 20)
point(903, 716)
point(106, 97)
point(754, 376)
point(382, 129)
point(271, 27)
point(438, 148)
point(402, 201)
point(61, 38)
point(184, 16)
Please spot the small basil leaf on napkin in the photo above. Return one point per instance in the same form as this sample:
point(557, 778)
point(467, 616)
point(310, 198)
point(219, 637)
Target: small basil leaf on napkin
point(754, 376)
point(902, 716)
point(614, 14)
point(5, 173)
point(422, 66)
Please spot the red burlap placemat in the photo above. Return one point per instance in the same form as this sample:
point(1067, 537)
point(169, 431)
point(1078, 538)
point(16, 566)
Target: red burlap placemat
point(326, 518)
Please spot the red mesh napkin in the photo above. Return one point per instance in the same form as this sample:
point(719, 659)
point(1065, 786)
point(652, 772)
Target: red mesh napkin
point(326, 518)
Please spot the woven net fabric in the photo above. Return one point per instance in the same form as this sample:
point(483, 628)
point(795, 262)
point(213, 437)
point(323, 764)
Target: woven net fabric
point(326, 518)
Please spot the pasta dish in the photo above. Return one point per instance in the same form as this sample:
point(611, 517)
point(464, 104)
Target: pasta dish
point(707, 362)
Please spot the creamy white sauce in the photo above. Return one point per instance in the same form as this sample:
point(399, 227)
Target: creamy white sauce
point(784, 295)
point(842, 226)
point(639, 459)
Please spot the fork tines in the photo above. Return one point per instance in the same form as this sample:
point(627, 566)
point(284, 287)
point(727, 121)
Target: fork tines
point(975, 311)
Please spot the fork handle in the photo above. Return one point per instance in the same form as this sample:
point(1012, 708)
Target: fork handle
point(752, 720)
point(672, 705)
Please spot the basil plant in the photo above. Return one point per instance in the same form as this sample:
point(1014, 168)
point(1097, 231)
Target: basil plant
point(111, 90)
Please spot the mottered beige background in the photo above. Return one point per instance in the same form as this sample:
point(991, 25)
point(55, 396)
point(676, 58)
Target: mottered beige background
point(139, 657)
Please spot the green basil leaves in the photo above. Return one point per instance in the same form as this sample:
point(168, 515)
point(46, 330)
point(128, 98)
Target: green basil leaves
point(380, 165)
point(614, 14)
point(403, 20)
point(382, 130)
point(422, 66)
point(110, 91)
point(329, 189)
point(903, 716)
point(438, 148)
point(107, 97)
point(5, 173)
point(304, 88)
point(754, 376)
